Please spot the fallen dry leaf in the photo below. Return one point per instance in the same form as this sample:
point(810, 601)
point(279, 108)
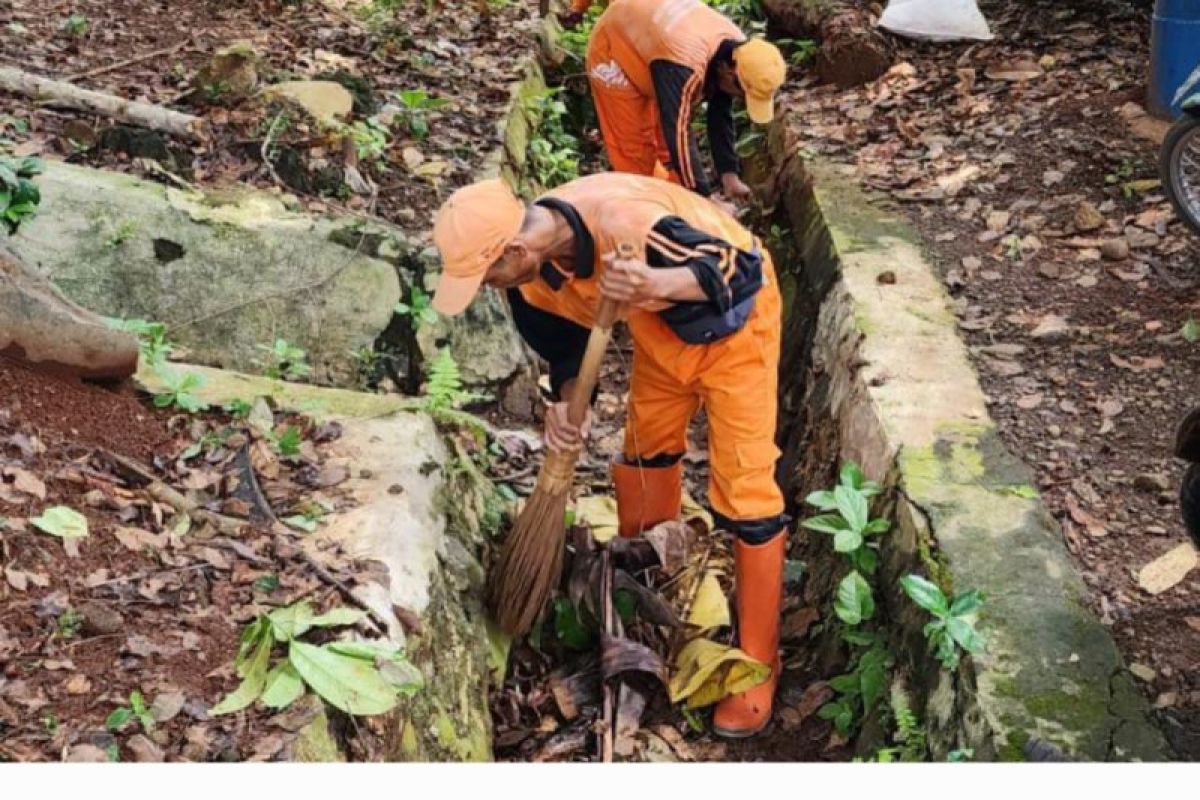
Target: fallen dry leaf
point(1168, 569)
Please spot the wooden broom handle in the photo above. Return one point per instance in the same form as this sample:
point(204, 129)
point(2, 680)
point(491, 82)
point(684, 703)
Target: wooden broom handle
point(597, 346)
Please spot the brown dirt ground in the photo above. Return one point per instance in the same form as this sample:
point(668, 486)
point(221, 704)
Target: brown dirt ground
point(1043, 147)
point(462, 57)
point(79, 634)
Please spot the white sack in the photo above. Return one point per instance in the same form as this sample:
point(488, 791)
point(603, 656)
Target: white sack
point(935, 20)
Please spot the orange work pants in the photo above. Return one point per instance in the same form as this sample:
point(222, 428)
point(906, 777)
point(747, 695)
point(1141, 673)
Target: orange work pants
point(629, 123)
point(736, 380)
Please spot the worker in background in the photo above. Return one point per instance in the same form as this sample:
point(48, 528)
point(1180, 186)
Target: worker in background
point(650, 63)
point(703, 309)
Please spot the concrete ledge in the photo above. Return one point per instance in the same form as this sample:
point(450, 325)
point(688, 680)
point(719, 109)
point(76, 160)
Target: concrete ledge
point(882, 378)
point(429, 537)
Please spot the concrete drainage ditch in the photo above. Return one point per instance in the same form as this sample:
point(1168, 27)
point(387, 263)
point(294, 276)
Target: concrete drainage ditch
point(873, 371)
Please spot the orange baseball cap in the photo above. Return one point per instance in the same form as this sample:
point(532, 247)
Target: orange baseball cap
point(761, 70)
point(471, 230)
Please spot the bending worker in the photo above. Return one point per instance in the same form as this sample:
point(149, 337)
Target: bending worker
point(703, 311)
point(650, 62)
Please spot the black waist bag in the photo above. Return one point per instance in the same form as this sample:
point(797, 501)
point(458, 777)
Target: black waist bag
point(705, 323)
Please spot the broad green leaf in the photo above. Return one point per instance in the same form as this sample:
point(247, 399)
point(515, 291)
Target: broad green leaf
point(829, 710)
point(368, 651)
point(872, 671)
point(393, 664)
point(854, 602)
point(826, 523)
point(284, 686)
point(290, 622)
point(349, 684)
point(844, 722)
point(338, 617)
point(877, 526)
point(866, 560)
point(966, 603)
point(66, 523)
point(852, 506)
point(858, 638)
point(822, 500)
point(118, 718)
point(252, 636)
point(403, 675)
point(254, 679)
point(926, 594)
point(847, 684)
point(1191, 330)
point(847, 541)
point(851, 475)
point(964, 633)
point(567, 627)
point(300, 522)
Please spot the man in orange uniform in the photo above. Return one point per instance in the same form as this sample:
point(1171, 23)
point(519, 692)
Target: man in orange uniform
point(704, 314)
point(650, 62)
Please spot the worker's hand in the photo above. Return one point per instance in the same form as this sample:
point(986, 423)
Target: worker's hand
point(631, 281)
point(734, 188)
point(725, 205)
point(560, 434)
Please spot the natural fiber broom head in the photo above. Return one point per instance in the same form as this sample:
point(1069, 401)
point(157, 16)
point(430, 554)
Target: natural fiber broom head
point(531, 561)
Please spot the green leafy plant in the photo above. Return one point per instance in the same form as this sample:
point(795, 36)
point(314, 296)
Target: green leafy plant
point(266, 583)
point(179, 390)
point(285, 361)
point(288, 442)
point(277, 666)
point(553, 153)
point(414, 106)
point(953, 627)
point(419, 308)
point(308, 515)
point(137, 709)
point(239, 408)
point(19, 195)
point(444, 387)
point(568, 628)
point(121, 234)
point(371, 138)
point(857, 690)
point(152, 337)
point(849, 523)
point(909, 738)
point(1190, 330)
point(74, 26)
point(799, 50)
point(50, 723)
point(574, 41)
point(69, 623)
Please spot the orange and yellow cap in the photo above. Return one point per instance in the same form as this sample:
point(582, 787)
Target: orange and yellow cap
point(761, 70)
point(471, 230)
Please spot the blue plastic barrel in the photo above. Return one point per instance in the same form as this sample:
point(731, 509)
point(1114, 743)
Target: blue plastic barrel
point(1174, 54)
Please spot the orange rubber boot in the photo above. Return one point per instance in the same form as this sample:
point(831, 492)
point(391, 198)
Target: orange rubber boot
point(758, 571)
point(646, 496)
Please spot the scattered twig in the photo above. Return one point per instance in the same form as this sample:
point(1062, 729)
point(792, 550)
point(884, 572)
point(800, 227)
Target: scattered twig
point(163, 51)
point(610, 724)
point(229, 526)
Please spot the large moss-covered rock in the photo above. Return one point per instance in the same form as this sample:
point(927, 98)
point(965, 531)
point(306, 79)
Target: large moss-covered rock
point(226, 272)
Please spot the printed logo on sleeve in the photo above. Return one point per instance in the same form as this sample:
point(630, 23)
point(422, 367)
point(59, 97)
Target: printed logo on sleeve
point(610, 74)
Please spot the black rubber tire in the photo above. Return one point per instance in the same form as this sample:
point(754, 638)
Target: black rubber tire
point(1184, 128)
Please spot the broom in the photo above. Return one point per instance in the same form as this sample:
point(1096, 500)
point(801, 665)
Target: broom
point(531, 560)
